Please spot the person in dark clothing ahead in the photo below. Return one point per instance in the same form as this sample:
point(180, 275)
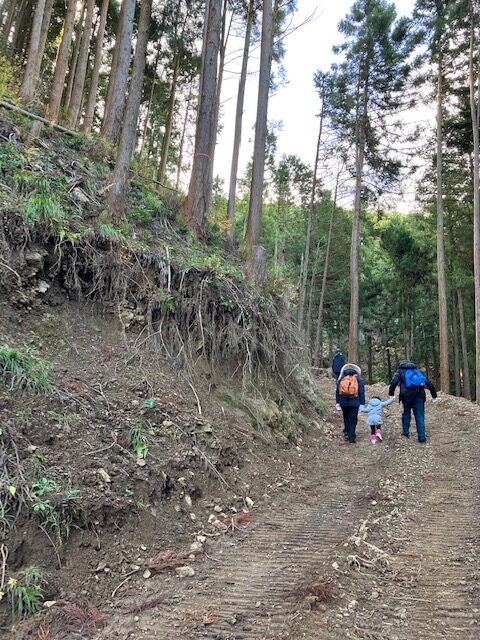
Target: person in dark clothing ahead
point(412, 393)
point(350, 395)
point(337, 363)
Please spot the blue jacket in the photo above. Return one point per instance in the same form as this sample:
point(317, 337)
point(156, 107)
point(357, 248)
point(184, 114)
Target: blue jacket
point(375, 409)
point(348, 370)
point(399, 378)
point(338, 362)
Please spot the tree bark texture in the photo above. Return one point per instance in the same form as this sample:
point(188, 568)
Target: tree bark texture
point(117, 86)
point(169, 123)
point(74, 57)
point(199, 196)
point(463, 339)
point(442, 287)
point(118, 192)
point(47, 15)
point(92, 94)
point(237, 137)
point(81, 70)
point(27, 89)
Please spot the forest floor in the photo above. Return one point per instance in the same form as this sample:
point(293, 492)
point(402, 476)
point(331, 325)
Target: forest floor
point(313, 539)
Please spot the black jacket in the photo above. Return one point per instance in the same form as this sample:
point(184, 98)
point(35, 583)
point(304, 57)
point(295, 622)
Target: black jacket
point(399, 377)
point(338, 362)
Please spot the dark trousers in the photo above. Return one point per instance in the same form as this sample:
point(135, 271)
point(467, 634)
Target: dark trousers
point(417, 405)
point(350, 419)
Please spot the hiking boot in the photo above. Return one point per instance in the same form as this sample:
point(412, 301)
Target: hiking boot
point(406, 435)
point(373, 439)
point(379, 435)
point(422, 441)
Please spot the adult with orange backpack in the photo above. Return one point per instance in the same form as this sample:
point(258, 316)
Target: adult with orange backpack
point(350, 395)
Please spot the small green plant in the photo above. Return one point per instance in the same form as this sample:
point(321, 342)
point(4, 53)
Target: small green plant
point(320, 407)
point(53, 503)
point(167, 303)
point(150, 403)
point(26, 593)
point(21, 370)
point(139, 441)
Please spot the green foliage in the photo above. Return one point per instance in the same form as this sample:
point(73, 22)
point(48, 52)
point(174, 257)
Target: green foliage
point(139, 441)
point(7, 80)
point(21, 370)
point(320, 407)
point(150, 403)
point(26, 593)
point(54, 504)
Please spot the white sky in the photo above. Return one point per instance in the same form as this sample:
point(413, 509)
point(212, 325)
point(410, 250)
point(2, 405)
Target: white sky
point(307, 49)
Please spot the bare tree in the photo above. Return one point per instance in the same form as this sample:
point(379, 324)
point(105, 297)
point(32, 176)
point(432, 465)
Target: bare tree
point(81, 70)
point(117, 197)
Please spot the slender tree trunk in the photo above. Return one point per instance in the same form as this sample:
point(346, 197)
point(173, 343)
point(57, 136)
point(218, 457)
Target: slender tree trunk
point(310, 296)
point(74, 58)
point(475, 113)
point(119, 78)
point(199, 196)
point(169, 123)
point(318, 347)
point(118, 192)
point(10, 9)
point(149, 106)
point(182, 137)
point(463, 339)
point(442, 287)
point(355, 244)
point(237, 138)
point(47, 14)
point(456, 348)
point(370, 359)
point(61, 64)
point(311, 211)
point(81, 70)
point(92, 94)
point(27, 89)
point(22, 27)
point(254, 222)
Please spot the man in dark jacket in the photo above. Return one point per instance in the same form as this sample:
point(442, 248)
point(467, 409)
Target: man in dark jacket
point(337, 363)
point(350, 404)
point(413, 399)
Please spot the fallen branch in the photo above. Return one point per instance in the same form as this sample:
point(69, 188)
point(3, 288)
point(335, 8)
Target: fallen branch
point(34, 116)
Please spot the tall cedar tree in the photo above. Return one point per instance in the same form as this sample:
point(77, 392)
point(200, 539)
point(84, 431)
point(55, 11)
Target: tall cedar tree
point(367, 93)
point(92, 94)
point(118, 193)
point(27, 89)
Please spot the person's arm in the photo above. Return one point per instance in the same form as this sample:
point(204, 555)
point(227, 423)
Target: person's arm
point(361, 390)
point(431, 387)
point(393, 384)
point(337, 393)
point(387, 403)
point(364, 409)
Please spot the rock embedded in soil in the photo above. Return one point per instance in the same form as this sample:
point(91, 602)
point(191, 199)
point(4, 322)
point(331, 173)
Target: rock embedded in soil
point(185, 572)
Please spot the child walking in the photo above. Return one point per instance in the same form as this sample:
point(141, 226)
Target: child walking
point(375, 420)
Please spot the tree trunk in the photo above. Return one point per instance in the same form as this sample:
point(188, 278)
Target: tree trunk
point(81, 70)
point(74, 58)
point(22, 25)
point(199, 196)
point(442, 287)
point(370, 359)
point(182, 137)
point(254, 222)
point(311, 210)
point(475, 111)
point(10, 10)
point(169, 123)
point(27, 89)
point(61, 64)
point(456, 348)
point(318, 347)
point(118, 192)
point(117, 85)
point(463, 339)
point(355, 244)
point(47, 14)
point(92, 94)
point(237, 138)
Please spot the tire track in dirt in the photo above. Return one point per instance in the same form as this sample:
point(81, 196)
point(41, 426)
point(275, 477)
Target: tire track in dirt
point(250, 590)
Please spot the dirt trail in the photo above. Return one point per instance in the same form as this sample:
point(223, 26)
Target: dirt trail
point(380, 542)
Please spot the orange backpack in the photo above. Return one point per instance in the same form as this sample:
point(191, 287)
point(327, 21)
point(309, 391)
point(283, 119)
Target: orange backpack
point(348, 387)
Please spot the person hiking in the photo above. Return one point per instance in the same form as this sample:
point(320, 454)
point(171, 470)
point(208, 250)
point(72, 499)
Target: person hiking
point(375, 419)
point(350, 394)
point(337, 363)
point(413, 383)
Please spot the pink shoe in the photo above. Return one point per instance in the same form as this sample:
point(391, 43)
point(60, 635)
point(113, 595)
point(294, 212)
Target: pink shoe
point(373, 438)
point(379, 435)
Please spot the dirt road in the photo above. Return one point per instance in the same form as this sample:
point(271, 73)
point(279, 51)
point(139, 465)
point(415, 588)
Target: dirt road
point(379, 542)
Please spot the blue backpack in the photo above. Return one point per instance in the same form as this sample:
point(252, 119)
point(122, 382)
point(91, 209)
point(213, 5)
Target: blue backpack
point(414, 379)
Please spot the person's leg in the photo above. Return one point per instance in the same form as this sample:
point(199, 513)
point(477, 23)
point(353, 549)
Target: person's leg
point(353, 418)
point(373, 429)
point(419, 413)
point(407, 407)
point(345, 421)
